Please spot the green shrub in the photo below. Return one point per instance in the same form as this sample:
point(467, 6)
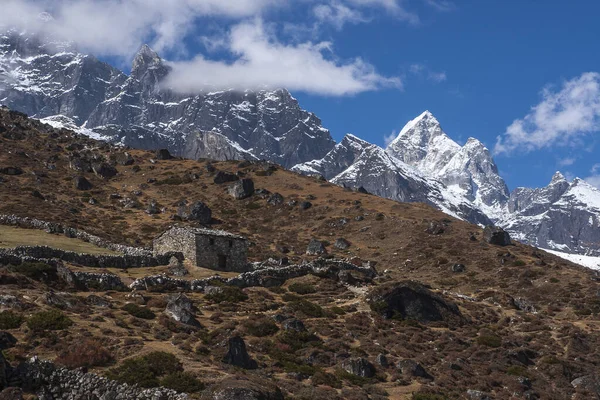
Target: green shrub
point(303, 306)
point(260, 327)
point(183, 382)
point(516, 370)
point(254, 206)
point(146, 370)
point(378, 307)
point(489, 340)
point(230, 294)
point(298, 340)
point(35, 270)
point(353, 379)
point(302, 288)
point(53, 320)
point(139, 312)
point(324, 378)
point(519, 263)
point(133, 371)
point(428, 396)
point(10, 320)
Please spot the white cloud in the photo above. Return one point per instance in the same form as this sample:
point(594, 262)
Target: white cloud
point(594, 179)
point(387, 139)
point(441, 5)
point(337, 14)
point(423, 71)
point(264, 62)
point(563, 118)
point(564, 162)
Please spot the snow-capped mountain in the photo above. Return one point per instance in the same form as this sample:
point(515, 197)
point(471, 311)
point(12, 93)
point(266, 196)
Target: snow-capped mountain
point(46, 79)
point(52, 81)
point(424, 164)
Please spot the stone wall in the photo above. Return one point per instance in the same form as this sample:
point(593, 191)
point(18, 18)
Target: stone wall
point(176, 239)
point(264, 277)
point(18, 254)
point(52, 227)
point(50, 382)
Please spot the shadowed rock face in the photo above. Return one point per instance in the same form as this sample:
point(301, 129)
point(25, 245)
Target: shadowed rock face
point(137, 111)
point(238, 355)
point(411, 300)
point(496, 236)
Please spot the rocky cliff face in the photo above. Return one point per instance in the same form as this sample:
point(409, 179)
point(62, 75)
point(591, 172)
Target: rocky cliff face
point(46, 79)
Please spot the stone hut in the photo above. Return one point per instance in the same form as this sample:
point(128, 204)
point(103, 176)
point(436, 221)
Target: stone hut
point(213, 249)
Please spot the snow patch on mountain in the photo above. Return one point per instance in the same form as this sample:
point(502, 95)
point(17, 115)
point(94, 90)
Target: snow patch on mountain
point(585, 261)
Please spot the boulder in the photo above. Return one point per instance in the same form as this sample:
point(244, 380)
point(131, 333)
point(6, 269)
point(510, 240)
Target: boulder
point(435, 228)
point(82, 184)
point(477, 395)
point(315, 247)
point(305, 205)
point(11, 171)
point(242, 388)
point(124, 159)
point(275, 199)
point(496, 236)
point(588, 383)
point(242, 189)
point(224, 177)
point(382, 361)
point(163, 154)
point(362, 190)
point(104, 170)
point(153, 208)
point(342, 244)
point(97, 301)
point(200, 212)
point(412, 300)
point(176, 267)
point(411, 368)
point(359, 367)
point(237, 354)
point(180, 308)
point(294, 325)
point(458, 268)
point(7, 340)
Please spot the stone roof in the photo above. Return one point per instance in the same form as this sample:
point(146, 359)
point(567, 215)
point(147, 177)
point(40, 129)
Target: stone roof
point(206, 232)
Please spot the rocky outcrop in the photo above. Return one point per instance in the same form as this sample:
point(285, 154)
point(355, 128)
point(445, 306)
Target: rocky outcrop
point(496, 236)
point(315, 248)
point(411, 368)
point(81, 183)
point(243, 389)
point(198, 212)
point(411, 300)
point(180, 308)
point(359, 367)
point(237, 354)
point(90, 280)
point(242, 189)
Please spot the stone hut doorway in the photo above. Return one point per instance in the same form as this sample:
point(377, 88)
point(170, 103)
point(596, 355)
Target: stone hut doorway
point(222, 261)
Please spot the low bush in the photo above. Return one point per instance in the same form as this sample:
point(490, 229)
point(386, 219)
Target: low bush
point(351, 378)
point(307, 308)
point(324, 378)
point(53, 320)
point(302, 288)
point(139, 312)
point(260, 327)
point(84, 353)
point(146, 370)
point(230, 294)
point(428, 396)
point(10, 320)
point(297, 340)
point(489, 341)
point(184, 382)
point(36, 270)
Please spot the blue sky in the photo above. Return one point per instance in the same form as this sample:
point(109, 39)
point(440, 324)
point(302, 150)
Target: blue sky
point(524, 71)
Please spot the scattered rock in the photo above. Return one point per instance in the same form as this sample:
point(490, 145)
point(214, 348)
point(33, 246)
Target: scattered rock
point(359, 367)
point(60, 300)
point(275, 199)
point(413, 369)
point(82, 184)
point(210, 168)
point(342, 244)
point(163, 154)
point(411, 300)
point(524, 356)
point(242, 189)
point(224, 177)
point(237, 354)
point(496, 236)
point(305, 205)
point(200, 212)
point(589, 383)
point(294, 325)
point(176, 267)
point(458, 268)
point(315, 247)
point(477, 395)
point(38, 195)
point(524, 305)
point(180, 308)
point(7, 340)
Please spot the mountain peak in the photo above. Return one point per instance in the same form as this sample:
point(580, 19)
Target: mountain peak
point(145, 59)
point(558, 177)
